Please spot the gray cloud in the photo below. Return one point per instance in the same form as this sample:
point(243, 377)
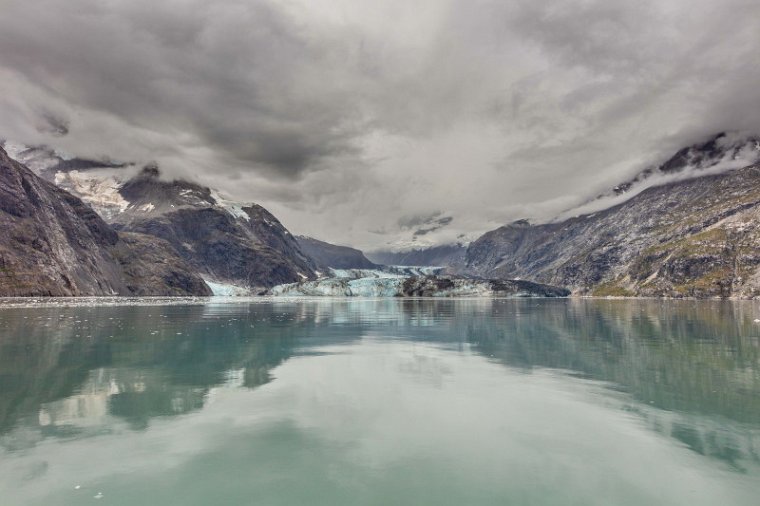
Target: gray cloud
point(347, 117)
point(238, 77)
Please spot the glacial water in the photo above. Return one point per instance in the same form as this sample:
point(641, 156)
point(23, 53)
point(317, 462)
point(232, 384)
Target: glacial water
point(379, 402)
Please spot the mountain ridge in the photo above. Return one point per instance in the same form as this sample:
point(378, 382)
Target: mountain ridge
point(56, 245)
point(698, 237)
point(239, 244)
point(695, 234)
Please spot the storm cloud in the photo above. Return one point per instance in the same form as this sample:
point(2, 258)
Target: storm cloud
point(345, 117)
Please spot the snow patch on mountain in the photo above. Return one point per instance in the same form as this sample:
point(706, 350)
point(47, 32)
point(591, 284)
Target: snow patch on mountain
point(233, 207)
point(99, 188)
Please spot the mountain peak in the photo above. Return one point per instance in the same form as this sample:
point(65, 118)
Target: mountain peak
point(720, 147)
point(150, 171)
point(720, 152)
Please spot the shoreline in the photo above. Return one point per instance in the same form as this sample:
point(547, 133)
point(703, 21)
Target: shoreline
point(112, 301)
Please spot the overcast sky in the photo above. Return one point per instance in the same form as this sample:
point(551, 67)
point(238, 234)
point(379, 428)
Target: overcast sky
point(362, 121)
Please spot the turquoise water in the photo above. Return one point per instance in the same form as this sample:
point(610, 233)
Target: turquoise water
point(381, 402)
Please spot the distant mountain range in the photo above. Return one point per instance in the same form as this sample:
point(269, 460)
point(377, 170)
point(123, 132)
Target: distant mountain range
point(327, 256)
point(689, 227)
point(696, 234)
point(450, 255)
point(698, 238)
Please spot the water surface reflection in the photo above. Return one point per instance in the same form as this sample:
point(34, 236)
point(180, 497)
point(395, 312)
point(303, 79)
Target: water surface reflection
point(376, 401)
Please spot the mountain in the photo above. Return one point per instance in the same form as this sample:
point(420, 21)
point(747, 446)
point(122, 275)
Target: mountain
point(96, 182)
point(228, 242)
point(696, 237)
point(237, 248)
point(327, 255)
point(724, 151)
point(687, 227)
point(150, 267)
point(53, 244)
point(446, 255)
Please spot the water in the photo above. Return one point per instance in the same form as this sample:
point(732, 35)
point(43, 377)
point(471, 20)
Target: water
point(380, 402)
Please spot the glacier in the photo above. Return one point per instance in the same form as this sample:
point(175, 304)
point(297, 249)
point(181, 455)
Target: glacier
point(387, 271)
point(220, 289)
point(346, 283)
point(403, 281)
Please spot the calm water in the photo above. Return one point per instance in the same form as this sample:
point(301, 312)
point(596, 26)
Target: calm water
point(385, 402)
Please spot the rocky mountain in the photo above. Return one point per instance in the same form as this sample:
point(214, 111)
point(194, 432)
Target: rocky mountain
point(446, 255)
point(695, 237)
point(724, 151)
point(327, 255)
point(237, 248)
point(96, 182)
point(687, 227)
point(53, 244)
point(228, 242)
point(150, 267)
point(447, 286)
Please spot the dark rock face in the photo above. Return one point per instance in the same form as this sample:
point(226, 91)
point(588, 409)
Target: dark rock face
point(435, 286)
point(447, 255)
point(692, 238)
point(328, 255)
point(52, 243)
point(150, 266)
point(55, 245)
point(518, 286)
point(707, 154)
point(242, 245)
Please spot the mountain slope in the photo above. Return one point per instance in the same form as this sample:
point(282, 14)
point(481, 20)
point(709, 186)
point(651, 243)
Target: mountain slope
point(698, 237)
point(54, 244)
point(150, 266)
point(328, 255)
point(226, 241)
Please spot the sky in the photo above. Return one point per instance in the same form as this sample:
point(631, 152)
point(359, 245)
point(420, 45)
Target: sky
point(383, 124)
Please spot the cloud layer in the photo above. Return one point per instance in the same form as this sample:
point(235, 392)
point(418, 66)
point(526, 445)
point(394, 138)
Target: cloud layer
point(350, 119)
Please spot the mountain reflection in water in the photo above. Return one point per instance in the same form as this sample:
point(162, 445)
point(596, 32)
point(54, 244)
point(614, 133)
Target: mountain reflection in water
point(687, 371)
